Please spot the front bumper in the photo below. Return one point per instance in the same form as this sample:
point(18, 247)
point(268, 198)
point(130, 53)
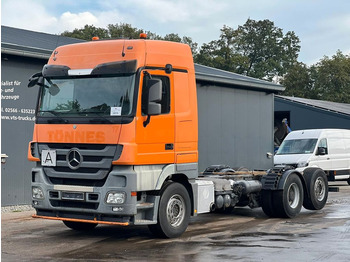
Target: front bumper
point(87, 203)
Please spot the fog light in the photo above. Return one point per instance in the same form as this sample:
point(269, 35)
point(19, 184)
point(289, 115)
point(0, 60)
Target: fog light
point(115, 198)
point(116, 209)
point(37, 193)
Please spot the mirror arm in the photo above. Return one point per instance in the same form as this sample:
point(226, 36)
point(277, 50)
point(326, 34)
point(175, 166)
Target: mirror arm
point(145, 123)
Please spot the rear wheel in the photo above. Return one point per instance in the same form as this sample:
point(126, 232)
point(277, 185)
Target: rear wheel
point(349, 181)
point(288, 202)
point(317, 185)
point(79, 226)
point(173, 213)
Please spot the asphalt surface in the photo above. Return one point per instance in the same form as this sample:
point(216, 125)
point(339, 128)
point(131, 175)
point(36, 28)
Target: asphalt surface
point(245, 235)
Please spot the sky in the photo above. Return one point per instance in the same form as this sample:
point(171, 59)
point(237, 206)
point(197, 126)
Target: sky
point(323, 26)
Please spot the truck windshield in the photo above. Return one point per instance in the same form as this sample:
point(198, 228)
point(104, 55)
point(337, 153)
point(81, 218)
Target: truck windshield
point(87, 97)
point(297, 146)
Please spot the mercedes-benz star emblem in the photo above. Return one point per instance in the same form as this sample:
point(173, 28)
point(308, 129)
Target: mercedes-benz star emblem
point(74, 158)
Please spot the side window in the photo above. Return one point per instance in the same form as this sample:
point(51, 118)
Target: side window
point(165, 103)
point(323, 144)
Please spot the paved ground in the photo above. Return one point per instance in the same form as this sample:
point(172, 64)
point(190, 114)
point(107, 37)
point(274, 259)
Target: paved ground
point(246, 235)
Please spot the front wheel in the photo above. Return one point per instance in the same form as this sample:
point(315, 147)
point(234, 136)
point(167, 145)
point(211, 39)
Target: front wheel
point(317, 184)
point(174, 211)
point(288, 202)
point(349, 181)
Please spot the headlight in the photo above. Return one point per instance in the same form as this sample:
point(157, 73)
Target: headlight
point(303, 164)
point(37, 193)
point(115, 197)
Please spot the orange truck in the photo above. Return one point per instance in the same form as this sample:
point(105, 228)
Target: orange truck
point(116, 142)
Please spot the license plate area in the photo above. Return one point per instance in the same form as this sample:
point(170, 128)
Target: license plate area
point(73, 196)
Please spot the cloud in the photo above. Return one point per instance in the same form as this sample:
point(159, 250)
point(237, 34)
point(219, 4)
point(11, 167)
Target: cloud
point(70, 21)
point(29, 15)
point(323, 28)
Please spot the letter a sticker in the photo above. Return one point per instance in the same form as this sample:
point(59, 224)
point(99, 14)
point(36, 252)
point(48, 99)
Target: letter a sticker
point(48, 157)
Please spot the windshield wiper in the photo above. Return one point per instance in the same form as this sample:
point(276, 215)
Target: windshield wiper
point(53, 112)
point(57, 118)
point(101, 120)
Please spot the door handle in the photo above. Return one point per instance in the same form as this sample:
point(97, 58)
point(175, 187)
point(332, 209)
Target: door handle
point(169, 146)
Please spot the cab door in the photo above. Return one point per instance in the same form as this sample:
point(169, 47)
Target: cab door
point(155, 140)
point(322, 158)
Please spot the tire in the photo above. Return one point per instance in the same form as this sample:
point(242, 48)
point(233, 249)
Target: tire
point(79, 226)
point(173, 212)
point(317, 185)
point(287, 203)
point(349, 181)
point(267, 204)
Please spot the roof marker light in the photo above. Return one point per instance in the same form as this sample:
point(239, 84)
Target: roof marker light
point(95, 38)
point(143, 36)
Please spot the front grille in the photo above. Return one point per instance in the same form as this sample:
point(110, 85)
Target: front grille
point(74, 204)
point(53, 194)
point(96, 162)
point(77, 182)
point(93, 197)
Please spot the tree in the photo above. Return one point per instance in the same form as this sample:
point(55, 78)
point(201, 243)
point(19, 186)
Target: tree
point(332, 78)
point(87, 33)
point(123, 30)
point(126, 31)
point(298, 81)
point(258, 49)
point(329, 79)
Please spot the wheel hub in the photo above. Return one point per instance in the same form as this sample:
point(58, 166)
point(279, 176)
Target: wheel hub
point(293, 195)
point(175, 210)
point(320, 189)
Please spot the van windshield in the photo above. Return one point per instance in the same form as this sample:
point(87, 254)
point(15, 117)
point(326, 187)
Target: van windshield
point(297, 146)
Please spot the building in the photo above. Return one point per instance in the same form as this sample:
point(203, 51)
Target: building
point(23, 53)
point(310, 114)
point(246, 108)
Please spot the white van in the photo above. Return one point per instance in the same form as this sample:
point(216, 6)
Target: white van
point(328, 149)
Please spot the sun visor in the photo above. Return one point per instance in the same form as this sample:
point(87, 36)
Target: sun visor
point(112, 68)
point(55, 71)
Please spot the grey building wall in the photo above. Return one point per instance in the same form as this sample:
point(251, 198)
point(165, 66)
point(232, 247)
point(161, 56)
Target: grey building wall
point(235, 127)
point(17, 121)
point(307, 117)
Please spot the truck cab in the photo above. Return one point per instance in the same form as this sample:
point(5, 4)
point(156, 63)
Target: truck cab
point(111, 129)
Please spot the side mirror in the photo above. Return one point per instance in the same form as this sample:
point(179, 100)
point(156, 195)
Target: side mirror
point(35, 79)
point(154, 97)
point(154, 87)
point(321, 151)
point(54, 89)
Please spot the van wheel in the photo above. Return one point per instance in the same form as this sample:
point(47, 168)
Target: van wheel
point(317, 185)
point(288, 202)
point(173, 213)
point(349, 181)
point(79, 226)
